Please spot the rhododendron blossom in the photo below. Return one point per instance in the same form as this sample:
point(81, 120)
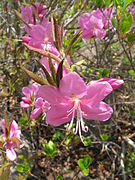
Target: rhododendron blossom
point(115, 83)
point(14, 133)
point(107, 17)
point(74, 97)
point(40, 106)
point(92, 24)
point(30, 94)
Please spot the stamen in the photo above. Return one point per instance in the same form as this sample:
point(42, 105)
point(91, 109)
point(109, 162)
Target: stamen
point(69, 126)
point(76, 128)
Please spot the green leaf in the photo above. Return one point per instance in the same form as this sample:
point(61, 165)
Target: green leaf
point(125, 23)
point(87, 160)
point(104, 136)
point(104, 72)
point(50, 149)
point(107, 2)
point(19, 168)
point(23, 121)
point(131, 72)
point(114, 22)
point(126, 4)
point(84, 164)
point(57, 135)
point(131, 38)
point(99, 3)
point(59, 178)
point(22, 168)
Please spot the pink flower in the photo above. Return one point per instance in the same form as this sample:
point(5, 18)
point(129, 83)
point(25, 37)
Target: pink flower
point(92, 24)
point(30, 94)
point(107, 17)
point(73, 98)
point(41, 37)
point(40, 106)
point(115, 83)
point(10, 139)
point(33, 13)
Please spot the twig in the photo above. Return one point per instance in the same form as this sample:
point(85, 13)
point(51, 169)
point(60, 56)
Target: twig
point(122, 161)
point(130, 142)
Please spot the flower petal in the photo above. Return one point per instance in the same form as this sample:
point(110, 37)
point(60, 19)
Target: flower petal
point(24, 105)
point(99, 111)
point(72, 84)
point(35, 113)
point(115, 83)
point(50, 94)
point(39, 102)
point(26, 91)
point(10, 153)
point(58, 114)
point(98, 91)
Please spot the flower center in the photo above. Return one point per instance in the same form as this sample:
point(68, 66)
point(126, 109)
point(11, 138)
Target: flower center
point(79, 123)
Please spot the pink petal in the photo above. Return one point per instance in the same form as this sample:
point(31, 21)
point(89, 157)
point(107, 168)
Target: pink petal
point(98, 111)
point(58, 114)
point(10, 153)
point(115, 83)
point(26, 91)
point(50, 94)
point(39, 102)
point(24, 105)
point(34, 89)
point(26, 39)
point(26, 100)
point(100, 33)
point(35, 113)
point(98, 91)
point(72, 85)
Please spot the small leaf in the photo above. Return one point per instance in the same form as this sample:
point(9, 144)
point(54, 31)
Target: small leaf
point(84, 164)
point(33, 76)
point(59, 73)
point(76, 36)
point(48, 77)
point(50, 149)
point(104, 137)
point(52, 69)
point(125, 23)
point(19, 168)
point(114, 22)
point(131, 72)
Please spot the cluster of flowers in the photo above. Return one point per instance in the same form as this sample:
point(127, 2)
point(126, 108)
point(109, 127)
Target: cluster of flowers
point(10, 138)
point(96, 23)
point(72, 97)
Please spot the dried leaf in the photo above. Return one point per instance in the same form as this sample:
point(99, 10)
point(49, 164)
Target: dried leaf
point(36, 78)
point(72, 41)
point(52, 69)
point(48, 77)
point(59, 73)
point(44, 53)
